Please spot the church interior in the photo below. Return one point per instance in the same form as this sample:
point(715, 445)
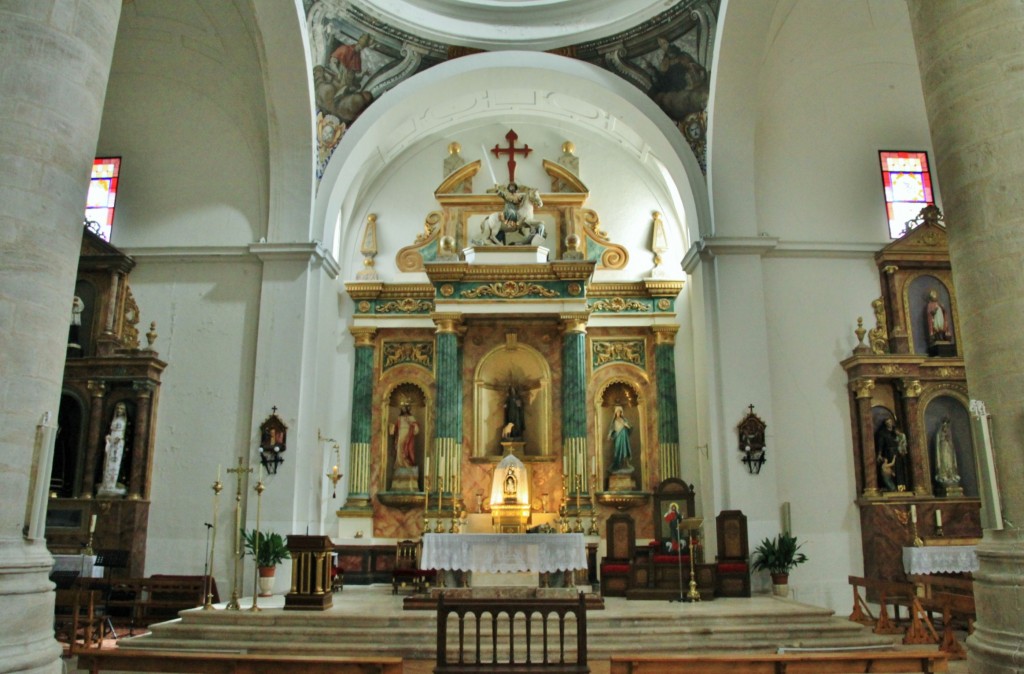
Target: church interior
point(511, 300)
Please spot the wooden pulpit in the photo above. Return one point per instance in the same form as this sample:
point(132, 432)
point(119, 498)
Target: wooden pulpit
point(311, 573)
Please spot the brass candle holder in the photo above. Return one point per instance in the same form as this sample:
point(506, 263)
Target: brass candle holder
point(426, 505)
point(439, 527)
point(217, 487)
point(578, 527)
point(256, 547)
point(454, 529)
point(241, 468)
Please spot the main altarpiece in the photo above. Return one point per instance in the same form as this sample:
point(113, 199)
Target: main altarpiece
point(511, 346)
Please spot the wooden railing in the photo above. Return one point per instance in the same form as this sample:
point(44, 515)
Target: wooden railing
point(130, 660)
point(519, 636)
point(903, 662)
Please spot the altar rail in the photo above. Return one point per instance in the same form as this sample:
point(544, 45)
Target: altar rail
point(903, 662)
point(503, 636)
point(125, 660)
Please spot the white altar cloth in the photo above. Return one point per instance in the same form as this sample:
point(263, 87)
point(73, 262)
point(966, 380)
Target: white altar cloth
point(85, 565)
point(940, 559)
point(504, 553)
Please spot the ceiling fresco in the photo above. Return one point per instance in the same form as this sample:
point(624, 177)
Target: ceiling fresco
point(358, 57)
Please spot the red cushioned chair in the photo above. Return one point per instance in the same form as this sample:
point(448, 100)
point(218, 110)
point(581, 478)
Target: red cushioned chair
point(733, 562)
point(620, 536)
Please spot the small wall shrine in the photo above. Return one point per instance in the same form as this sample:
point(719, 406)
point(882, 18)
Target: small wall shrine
point(915, 455)
point(510, 349)
point(103, 456)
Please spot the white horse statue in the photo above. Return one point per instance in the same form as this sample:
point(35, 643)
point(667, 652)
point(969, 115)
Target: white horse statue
point(520, 205)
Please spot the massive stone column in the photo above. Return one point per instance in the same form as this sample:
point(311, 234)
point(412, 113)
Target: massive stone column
point(971, 59)
point(56, 56)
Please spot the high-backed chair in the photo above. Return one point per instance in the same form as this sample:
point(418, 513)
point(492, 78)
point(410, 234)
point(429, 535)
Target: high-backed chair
point(405, 573)
point(732, 578)
point(620, 536)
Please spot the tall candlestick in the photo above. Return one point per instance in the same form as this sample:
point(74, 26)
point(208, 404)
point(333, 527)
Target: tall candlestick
point(913, 513)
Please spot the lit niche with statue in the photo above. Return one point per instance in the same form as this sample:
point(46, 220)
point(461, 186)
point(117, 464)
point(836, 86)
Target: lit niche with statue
point(920, 454)
point(510, 390)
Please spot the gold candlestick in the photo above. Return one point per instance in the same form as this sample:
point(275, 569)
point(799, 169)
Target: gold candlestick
point(426, 505)
point(217, 487)
point(578, 529)
point(593, 507)
point(454, 529)
point(693, 595)
point(256, 547)
point(439, 528)
point(917, 539)
point(238, 471)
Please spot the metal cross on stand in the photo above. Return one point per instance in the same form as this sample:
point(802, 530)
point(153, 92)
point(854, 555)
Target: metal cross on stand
point(511, 151)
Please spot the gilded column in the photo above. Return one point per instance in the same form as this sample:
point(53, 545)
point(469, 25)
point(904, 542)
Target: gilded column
point(574, 399)
point(98, 390)
point(140, 442)
point(362, 419)
point(448, 422)
point(914, 428)
point(668, 408)
point(863, 388)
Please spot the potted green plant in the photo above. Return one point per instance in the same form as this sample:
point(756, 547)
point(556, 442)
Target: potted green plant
point(778, 556)
point(269, 548)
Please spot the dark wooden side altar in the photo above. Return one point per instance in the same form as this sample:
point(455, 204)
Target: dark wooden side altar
point(910, 408)
point(107, 367)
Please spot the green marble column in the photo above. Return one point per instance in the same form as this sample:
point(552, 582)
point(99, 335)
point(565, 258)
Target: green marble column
point(668, 408)
point(362, 418)
point(448, 422)
point(574, 400)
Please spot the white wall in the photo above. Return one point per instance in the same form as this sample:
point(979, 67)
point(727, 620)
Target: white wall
point(806, 94)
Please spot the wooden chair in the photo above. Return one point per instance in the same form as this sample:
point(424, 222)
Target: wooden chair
point(620, 537)
point(732, 578)
point(406, 572)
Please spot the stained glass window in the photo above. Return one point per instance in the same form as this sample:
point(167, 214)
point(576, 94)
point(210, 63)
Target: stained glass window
point(99, 204)
point(908, 187)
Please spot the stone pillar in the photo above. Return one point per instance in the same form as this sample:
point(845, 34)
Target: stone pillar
point(668, 408)
point(56, 57)
point(574, 399)
point(140, 442)
point(448, 415)
point(362, 419)
point(969, 54)
point(862, 388)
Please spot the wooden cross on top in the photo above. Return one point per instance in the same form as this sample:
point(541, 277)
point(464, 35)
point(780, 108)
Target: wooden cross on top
point(511, 151)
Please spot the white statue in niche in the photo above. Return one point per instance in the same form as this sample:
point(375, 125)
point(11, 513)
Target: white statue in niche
point(114, 453)
point(946, 472)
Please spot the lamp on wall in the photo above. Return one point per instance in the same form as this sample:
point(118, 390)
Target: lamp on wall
point(752, 442)
point(335, 474)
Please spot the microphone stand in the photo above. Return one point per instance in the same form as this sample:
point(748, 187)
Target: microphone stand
point(206, 565)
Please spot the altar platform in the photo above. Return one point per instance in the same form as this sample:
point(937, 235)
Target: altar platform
point(370, 620)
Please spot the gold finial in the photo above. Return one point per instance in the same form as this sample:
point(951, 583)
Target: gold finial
point(860, 332)
point(568, 147)
point(151, 336)
point(454, 148)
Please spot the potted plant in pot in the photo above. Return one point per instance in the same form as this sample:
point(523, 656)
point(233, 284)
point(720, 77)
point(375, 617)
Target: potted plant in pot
point(269, 549)
point(778, 556)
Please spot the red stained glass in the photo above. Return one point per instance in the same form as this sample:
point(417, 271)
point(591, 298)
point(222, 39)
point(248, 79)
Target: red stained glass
point(99, 202)
point(907, 184)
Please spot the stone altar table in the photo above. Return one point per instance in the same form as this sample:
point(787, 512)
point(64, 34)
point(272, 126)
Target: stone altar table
point(486, 554)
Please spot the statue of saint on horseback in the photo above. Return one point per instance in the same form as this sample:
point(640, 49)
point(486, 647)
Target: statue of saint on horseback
point(516, 216)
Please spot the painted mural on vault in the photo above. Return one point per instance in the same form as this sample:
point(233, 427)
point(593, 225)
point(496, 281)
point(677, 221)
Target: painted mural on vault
point(357, 58)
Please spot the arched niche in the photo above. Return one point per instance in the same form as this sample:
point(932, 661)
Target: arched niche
point(614, 428)
point(69, 448)
point(917, 301)
point(523, 367)
point(950, 405)
point(410, 401)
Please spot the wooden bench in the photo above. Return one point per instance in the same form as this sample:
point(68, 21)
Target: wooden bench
point(831, 662)
point(919, 629)
point(503, 635)
point(118, 660)
point(140, 602)
point(953, 598)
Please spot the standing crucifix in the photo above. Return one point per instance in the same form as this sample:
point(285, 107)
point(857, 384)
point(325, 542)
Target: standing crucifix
point(511, 151)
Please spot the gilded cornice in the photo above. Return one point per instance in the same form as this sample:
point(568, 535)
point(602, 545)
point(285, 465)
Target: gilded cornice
point(447, 321)
point(363, 335)
point(439, 272)
point(648, 288)
point(665, 334)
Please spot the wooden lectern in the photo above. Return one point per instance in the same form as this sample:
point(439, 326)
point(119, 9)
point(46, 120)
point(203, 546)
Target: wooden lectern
point(311, 573)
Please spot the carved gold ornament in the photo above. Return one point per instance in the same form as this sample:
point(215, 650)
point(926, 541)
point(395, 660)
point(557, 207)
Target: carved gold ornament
point(447, 290)
point(575, 289)
point(617, 304)
point(878, 337)
point(419, 353)
point(364, 307)
point(619, 350)
point(664, 304)
point(893, 369)
point(405, 306)
point(509, 290)
point(130, 330)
